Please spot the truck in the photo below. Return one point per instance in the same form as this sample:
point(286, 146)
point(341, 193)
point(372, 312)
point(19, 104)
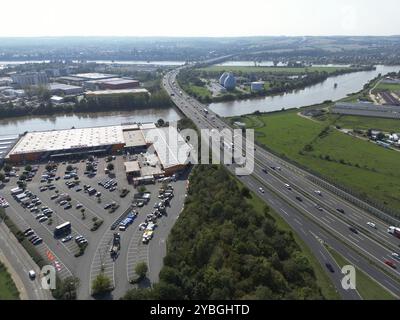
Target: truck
point(116, 245)
point(394, 231)
point(16, 191)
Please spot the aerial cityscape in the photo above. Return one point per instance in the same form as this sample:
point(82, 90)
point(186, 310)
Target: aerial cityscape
point(201, 164)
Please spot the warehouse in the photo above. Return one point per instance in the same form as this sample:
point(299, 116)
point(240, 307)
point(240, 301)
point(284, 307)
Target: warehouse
point(36, 146)
point(163, 150)
point(111, 92)
point(65, 89)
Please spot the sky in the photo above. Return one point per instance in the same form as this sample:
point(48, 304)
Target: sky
point(190, 18)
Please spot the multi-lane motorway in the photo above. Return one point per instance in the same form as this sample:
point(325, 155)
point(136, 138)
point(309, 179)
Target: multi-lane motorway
point(315, 218)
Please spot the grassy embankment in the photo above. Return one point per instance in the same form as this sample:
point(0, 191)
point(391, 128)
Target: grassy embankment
point(8, 290)
point(367, 288)
point(360, 165)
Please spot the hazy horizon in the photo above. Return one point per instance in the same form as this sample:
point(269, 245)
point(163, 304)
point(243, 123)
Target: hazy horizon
point(190, 19)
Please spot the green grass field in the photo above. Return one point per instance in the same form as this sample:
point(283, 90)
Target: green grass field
point(387, 87)
point(289, 70)
point(363, 166)
point(200, 91)
point(323, 281)
point(362, 123)
point(366, 287)
point(8, 290)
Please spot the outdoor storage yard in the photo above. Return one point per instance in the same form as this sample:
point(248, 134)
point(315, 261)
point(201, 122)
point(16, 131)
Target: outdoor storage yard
point(63, 195)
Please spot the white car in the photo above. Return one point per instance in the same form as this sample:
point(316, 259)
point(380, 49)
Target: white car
point(32, 274)
point(396, 256)
point(318, 192)
point(371, 224)
point(79, 205)
point(287, 186)
point(43, 219)
point(261, 190)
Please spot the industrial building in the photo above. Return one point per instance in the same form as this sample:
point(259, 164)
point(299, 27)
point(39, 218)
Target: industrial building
point(111, 84)
point(367, 109)
point(6, 144)
point(94, 76)
point(165, 149)
point(65, 89)
point(30, 79)
point(122, 91)
point(257, 86)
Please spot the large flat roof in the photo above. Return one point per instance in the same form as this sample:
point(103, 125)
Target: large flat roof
point(94, 76)
point(107, 92)
point(170, 146)
point(68, 139)
point(132, 166)
point(62, 86)
point(134, 138)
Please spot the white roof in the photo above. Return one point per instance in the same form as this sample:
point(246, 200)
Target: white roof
point(69, 139)
point(171, 148)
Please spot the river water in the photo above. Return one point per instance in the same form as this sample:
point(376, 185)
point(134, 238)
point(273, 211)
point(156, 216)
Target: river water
point(11, 126)
point(348, 83)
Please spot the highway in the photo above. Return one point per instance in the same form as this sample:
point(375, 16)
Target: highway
point(316, 216)
point(22, 263)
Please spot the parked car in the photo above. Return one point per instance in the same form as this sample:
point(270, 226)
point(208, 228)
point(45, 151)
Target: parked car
point(66, 239)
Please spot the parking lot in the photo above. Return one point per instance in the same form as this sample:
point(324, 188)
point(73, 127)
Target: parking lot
point(92, 203)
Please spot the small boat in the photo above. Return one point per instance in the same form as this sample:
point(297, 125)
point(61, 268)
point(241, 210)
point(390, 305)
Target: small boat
point(335, 85)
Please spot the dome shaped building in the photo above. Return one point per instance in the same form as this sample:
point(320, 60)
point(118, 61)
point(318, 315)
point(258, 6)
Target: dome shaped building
point(230, 82)
point(222, 78)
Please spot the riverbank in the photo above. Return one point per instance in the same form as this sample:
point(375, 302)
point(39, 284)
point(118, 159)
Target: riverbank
point(18, 125)
point(347, 84)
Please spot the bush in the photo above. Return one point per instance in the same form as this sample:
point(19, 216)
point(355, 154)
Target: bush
point(101, 285)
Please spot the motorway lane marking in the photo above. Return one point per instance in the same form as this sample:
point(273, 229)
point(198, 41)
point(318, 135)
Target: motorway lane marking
point(335, 231)
point(351, 256)
point(320, 251)
point(302, 230)
point(285, 212)
point(391, 284)
point(350, 236)
point(297, 221)
point(356, 217)
point(325, 219)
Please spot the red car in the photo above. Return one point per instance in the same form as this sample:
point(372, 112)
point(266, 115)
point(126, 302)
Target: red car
point(390, 264)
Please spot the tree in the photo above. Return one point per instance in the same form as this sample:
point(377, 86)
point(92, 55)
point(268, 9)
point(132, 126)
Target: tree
point(2, 176)
point(69, 168)
point(66, 289)
point(28, 168)
point(7, 168)
point(160, 122)
point(110, 166)
point(141, 270)
point(101, 285)
point(89, 167)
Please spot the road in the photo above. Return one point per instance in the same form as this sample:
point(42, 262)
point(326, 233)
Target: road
point(21, 263)
point(368, 245)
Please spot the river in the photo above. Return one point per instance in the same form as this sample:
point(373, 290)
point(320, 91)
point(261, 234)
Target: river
point(347, 83)
point(17, 125)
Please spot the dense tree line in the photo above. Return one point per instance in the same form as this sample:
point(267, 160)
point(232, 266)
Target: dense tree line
point(223, 248)
point(127, 101)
